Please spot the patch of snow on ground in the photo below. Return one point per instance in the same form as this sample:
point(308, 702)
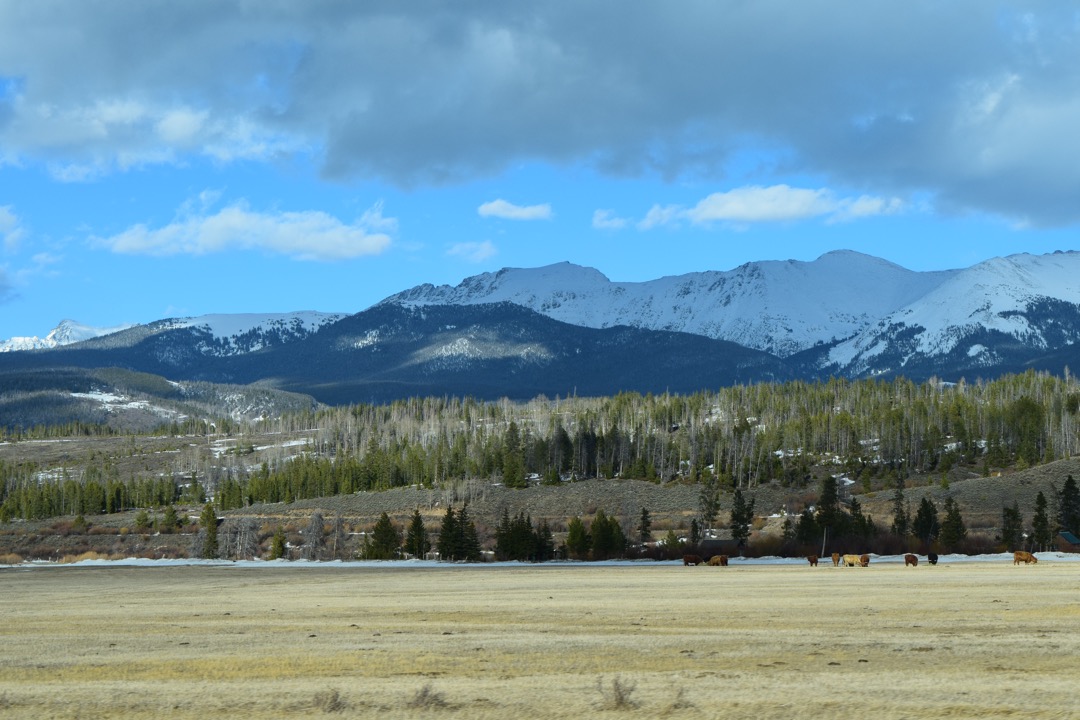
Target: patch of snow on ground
point(943, 560)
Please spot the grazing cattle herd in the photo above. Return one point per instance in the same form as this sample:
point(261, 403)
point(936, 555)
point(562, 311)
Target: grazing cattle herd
point(851, 560)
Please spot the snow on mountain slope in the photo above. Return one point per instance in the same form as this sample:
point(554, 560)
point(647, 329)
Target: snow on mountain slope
point(223, 326)
point(67, 332)
point(780, 307)
point(241, 332)
point(1001, 295)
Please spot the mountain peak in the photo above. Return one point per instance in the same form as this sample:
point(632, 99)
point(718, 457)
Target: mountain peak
point(781, 307)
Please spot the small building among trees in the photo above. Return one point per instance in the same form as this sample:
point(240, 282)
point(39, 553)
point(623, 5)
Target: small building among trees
point(1068, 542)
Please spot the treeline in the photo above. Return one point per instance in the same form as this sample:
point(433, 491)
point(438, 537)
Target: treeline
point(883, 430)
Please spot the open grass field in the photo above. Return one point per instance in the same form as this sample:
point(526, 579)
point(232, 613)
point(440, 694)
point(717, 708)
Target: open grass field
point(971, 640)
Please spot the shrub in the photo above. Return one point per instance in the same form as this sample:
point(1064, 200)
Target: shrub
point(427, 697)
point(329, 701)
point(619, 696)
point(10, 559)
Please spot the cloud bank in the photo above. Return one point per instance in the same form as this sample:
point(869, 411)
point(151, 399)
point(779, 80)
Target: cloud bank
point(508, 211)
point(776, 203)
point(301, 235)
point(972, 103)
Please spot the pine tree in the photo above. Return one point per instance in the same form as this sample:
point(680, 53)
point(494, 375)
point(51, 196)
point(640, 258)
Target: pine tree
point(1042, 533)
point(468, 542)
point(1069, 506)
point(742, 515)
point(645, 527)
point(709, 500)
point(417, 543)
point(829, 514)
point(578, 541)
point(953, 531)
point(901, 522)
point(545, 542)
point(1012, 528)
point(448, 532)
point(169, 522)
point(277, 544)
point(384, 541)
point(513, 460)
point(925, 526)
point(209, 524)
point(608, 540)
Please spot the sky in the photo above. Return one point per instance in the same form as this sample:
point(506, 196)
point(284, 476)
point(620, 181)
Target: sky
point(167, 159)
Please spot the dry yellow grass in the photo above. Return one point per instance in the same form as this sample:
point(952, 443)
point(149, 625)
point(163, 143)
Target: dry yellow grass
point(963, 640)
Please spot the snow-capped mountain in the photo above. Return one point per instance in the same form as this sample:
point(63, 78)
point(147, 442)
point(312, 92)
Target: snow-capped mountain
point(565, 328)
point(781, 307)
point(218, 334)
point(67, 332)
point(992, 313)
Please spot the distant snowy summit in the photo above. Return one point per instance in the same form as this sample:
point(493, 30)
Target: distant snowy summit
point(844, 314)
point(853, 314)
point(780, 307)
point(67, 332)
point(230, 333)
point(999, 310)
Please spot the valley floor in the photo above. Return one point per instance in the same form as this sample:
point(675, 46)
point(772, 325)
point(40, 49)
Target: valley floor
point(962, 639)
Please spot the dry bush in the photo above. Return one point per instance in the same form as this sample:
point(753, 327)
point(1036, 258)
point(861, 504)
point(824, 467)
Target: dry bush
point(41, 551)
point(10, 559)
point(102, 530)
point(63, 528)
point(427, 697)
point(619, 696)
point(329, 701)
point(679, 703)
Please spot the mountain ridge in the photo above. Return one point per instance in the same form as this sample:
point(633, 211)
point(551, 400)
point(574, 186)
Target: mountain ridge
point(564, 328)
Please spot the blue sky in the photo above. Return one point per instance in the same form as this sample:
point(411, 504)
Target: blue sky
point(162, 159)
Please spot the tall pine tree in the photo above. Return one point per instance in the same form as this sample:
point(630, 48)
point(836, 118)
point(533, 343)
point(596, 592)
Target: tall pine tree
point(417, 543)
point(209, 524)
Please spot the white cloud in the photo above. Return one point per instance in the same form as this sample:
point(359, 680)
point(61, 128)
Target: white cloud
point(658, 215)
point(776, 203)
point(761, 204)
point(607, 220)
point(473, 251)
point(508, 211)
point(11, 231)
point(373, 219)
point(308, 235)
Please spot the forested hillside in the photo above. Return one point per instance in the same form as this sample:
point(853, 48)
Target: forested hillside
point(797, 437)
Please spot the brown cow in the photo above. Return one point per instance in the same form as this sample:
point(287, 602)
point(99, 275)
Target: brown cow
point(912, 560)
point(812, 559)
point(852, 561)
point(864, 560)
point(836, 559)
point(1023, 556)
point(718, 561)
point(691, 560)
